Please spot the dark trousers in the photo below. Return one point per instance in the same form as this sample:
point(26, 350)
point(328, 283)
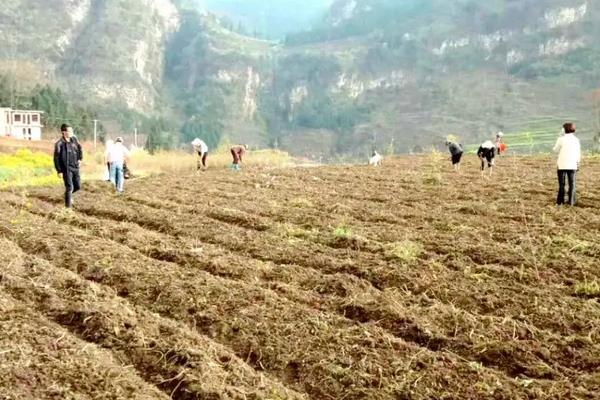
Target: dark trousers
point(72, 181)
point(202, 161)
point(490, 161)
point(564, 175)
point(236, 157)
point(456, 158)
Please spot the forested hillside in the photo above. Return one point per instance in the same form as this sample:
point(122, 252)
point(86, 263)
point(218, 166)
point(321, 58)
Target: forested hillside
point(394, 75)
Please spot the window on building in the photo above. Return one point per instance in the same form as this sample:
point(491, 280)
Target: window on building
point(29, 133)
point(17, 117)
point(35, 118)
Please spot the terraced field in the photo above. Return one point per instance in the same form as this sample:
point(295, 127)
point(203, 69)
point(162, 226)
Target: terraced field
point(347, 282)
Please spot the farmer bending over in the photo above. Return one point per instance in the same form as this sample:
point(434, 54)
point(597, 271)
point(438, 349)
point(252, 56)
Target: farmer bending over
point(202, 149)
point(486, 153)
point(238, 152)
point(456, 153)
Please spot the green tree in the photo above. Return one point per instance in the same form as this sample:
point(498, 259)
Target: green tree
point(210, 131)
point(161, 135)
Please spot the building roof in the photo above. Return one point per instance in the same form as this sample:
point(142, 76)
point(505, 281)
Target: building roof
point(26, 111)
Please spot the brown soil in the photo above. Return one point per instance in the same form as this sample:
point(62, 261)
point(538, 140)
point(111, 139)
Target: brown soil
point(241, 286)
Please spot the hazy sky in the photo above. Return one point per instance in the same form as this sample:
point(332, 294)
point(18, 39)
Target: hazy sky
point(273, 17)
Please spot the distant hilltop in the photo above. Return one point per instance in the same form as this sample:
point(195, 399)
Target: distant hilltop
point(366, 74)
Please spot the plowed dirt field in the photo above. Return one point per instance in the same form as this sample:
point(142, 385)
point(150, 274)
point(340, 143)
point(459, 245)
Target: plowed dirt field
point(402, 282)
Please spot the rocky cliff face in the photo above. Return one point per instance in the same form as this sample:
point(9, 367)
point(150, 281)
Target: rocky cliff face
point(424, 69)
point(100, 50)
point(374, 73)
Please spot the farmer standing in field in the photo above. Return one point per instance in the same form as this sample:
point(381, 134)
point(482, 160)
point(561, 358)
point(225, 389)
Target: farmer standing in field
point(117, 155)
point(501, 147)
point(67, 159)
point(486, 153)
point(202, 149)
point(238, 152)
point(456, 153)
point(568, 148)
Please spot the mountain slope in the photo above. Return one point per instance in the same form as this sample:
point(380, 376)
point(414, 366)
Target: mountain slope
point(386, 74)
point(99, 50)
point(430, 68)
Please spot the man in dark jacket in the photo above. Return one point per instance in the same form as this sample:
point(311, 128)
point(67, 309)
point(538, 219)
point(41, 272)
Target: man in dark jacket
point(67, 157)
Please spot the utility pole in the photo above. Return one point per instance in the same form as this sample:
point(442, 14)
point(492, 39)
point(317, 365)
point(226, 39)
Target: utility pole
point(135, 137)
point(95, 133)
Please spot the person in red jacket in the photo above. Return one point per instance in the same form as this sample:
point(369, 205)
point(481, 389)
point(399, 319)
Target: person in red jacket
point(238, 152)
point(501, 147)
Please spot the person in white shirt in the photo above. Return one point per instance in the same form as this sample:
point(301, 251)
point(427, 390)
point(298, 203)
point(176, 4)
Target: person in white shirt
point(202, 149)
point(376, 159)
point(116, 155)
point(109, 144)
point(568, 148)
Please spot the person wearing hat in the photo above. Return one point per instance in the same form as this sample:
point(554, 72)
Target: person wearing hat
point(117, 155)
point(68, 155)
point(487, 152)
point(202, 149)
point(456, 153)
point(238, 152)
point(568, 148)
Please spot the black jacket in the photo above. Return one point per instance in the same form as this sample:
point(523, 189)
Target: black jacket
point(67, 155)
point(486, 152)
point(455, 148)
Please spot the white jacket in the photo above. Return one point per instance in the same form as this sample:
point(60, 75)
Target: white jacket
point(200, 146)
point(117, 153)
point(568, 148)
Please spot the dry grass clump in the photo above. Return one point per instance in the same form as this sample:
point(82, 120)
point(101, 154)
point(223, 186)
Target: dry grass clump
point(589, 289)
point(405, 251)
point(236, 217)
point(298, 232)
point(572, 244)
point(342, 232)
point(343, 236)
point(301, 202)
point(432, 174)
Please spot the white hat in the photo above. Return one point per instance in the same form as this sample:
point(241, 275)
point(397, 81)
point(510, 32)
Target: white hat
point(499, 134)
point(196, 142)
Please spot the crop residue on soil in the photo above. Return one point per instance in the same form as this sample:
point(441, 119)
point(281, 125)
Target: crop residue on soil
point(401, 282)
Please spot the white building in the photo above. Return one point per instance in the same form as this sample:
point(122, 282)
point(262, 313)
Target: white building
point(21, 124)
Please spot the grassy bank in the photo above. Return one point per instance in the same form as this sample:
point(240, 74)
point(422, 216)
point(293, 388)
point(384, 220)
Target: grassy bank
point(33, 168)
point(27, 168)
point(143, 163)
